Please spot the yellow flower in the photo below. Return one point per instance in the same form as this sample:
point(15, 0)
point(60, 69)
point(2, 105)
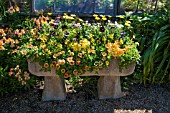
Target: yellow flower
point(63, 70)
point(121, 16)
point(52, 21)
point(73, 15)
point(97, 18)
point(85, 43)
point(121, 41)
point(104, 18)
point(81, 20)
point(137, 43)
point(109, 16)
point(95, 15)
point(65, 14)
point(107, 63)
point(127, 23)
point(51, 65)
point(57, 66)
point(111, 36)
point(43, 46)
point(49, 13)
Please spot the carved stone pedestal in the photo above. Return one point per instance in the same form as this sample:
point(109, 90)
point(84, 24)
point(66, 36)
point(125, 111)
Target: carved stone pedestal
point(54, 89)
point(108, 84)
point(109, 87)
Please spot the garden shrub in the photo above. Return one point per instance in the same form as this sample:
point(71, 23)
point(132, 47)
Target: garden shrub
point(153, 34)
point(14, 74)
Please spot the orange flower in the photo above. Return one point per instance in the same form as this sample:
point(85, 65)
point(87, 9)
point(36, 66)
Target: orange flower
point(72, 62)
point(46, 65)
point(75, 71)
point(69, 59)
point(78, 61)
point(14, 51)
point(11, 9)
point(127, 48)
point(23, 83)
point(19, 78)
point(29, 46)
point(81, 71)
point(7, 41)
point(24, 52)
point(16, 41)
point(71, 53)
point(54, 62)
point(61, 62)
point(66, 75)
point(2, 48)
point(16, 31)
point(10, 73)
point(80, 55)
point(62, 52)
point(16, 8)
point(1, 43)
point(104, 54)
point(35, 47)
point(86, 68)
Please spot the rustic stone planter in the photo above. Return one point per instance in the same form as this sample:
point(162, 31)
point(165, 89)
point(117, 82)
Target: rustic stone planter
point(108, 84)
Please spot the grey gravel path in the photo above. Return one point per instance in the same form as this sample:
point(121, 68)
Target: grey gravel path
point(138, 99)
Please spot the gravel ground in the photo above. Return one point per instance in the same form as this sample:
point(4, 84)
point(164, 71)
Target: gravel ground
point(138, 99)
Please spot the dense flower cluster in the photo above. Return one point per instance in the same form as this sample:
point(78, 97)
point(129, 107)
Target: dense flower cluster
point(70, 45)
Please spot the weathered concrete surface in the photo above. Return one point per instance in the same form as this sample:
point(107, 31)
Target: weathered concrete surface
point(54, 89)
point(113, 70)
point(35, 69)
point(108, 84)
point(109, 87)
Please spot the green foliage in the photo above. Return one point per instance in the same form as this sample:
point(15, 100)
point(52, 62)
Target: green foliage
point(13, 73)
point(153, 34)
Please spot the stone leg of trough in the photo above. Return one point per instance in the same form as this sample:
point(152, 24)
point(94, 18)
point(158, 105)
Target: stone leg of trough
point(54, 89)
point(109, 87)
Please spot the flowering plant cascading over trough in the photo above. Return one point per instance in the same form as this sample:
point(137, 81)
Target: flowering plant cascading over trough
point(69, 46)
point(73, 46)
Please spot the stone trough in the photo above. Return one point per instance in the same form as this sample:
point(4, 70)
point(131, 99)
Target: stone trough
point(108, 84)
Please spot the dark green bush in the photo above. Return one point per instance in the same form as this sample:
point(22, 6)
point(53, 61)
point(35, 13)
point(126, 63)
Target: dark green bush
point(153, 34)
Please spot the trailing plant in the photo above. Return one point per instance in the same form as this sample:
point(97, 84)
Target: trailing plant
point(73, 46)
point(13, 73)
